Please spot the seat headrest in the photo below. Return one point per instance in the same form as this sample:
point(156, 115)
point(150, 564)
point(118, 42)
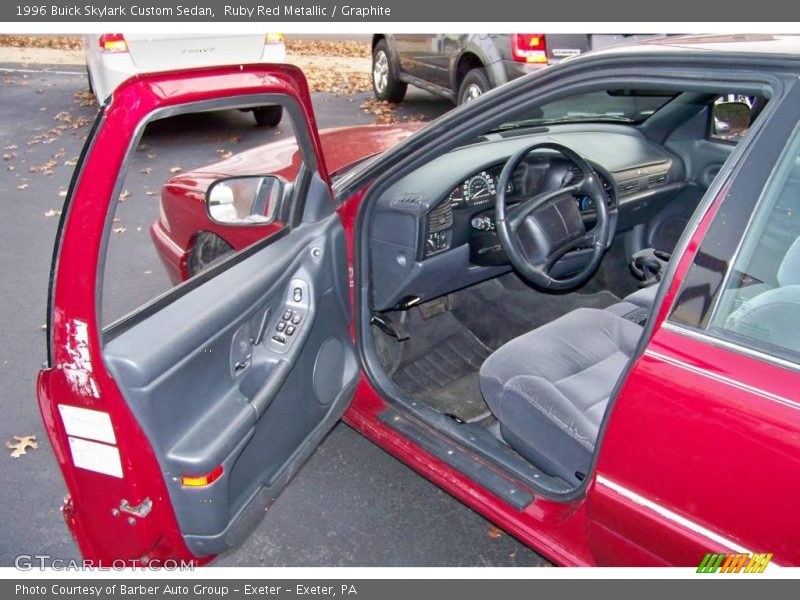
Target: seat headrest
point(789, 271)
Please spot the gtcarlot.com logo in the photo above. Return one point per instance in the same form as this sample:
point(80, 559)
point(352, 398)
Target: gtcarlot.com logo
point(29, 562)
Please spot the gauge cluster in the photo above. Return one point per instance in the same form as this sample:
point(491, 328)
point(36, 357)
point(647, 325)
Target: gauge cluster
point(531, 178)
point(478, 190)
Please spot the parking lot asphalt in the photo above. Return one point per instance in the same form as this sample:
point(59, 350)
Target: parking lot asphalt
point(351, 505)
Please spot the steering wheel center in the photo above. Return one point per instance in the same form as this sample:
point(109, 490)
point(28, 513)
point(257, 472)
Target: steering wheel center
point(542, 229)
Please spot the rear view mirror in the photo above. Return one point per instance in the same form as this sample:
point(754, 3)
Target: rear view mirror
point(730, 120)
point(250, 200)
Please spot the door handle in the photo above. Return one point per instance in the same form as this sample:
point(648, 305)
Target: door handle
point(266, 393)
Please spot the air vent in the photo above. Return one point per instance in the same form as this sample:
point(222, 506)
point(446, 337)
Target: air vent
point(657, 179)
point(440, 217)
point(628, 188)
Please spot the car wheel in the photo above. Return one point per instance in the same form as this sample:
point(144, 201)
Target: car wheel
point(268, 116)
point(475, 84)
point(207, 250)
point(384, 83)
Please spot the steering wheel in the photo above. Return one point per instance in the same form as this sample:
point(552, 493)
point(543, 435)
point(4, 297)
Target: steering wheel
point(542, 229)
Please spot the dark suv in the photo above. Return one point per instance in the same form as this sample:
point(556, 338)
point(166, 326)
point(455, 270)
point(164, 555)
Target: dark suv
point(461, 67)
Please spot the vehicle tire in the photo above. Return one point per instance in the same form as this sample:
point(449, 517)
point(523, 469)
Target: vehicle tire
point(268, 116)
point(384, 83)
point(207, 250)
point(474, 84)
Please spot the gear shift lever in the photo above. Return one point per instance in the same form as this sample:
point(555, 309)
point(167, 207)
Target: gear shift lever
point(649, 265)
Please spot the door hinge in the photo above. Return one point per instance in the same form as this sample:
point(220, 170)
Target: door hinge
point(141, 511)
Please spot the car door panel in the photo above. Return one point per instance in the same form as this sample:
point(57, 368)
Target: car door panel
point(193, 381)
point(199, 411)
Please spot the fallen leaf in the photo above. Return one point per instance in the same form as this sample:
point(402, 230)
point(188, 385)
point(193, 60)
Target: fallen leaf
point(119, 230)
point(52, 213)
point(147, 170)
point(149, 193)
point(85, 98)
point(9, 155)
point(123, 195)
point(346, 48)
point(59, 42)
point(494, 532)
point(385, 112)
point(23, 442)
point(224, 153)
point(148, 272)
point(151, 155)
point(175, 169)
point(23, 186)
point(63, 193)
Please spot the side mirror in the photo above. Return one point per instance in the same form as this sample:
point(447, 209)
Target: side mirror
point(249, 200)
point(730, 120)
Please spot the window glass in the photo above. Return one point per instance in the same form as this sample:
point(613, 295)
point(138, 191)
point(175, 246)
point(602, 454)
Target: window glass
point(760, 301)
point(621, 106)
point(745, 288)
point(161, 233)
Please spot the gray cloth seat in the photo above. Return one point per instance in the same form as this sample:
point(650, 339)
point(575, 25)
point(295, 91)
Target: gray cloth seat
point(641, 300)
point(549, 388)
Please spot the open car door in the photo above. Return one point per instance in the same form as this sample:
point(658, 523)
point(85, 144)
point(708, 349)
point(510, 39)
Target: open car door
point(178, 424)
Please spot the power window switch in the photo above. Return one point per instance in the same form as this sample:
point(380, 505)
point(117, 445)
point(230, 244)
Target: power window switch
point(280, 326)
point(287, 314)
point(290, 330)
point(296, 318)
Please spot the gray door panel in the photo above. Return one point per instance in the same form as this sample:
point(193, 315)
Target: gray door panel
point(211, 382)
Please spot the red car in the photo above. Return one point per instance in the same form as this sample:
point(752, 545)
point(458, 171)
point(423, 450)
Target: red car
point(189, 242)
point(463, 300)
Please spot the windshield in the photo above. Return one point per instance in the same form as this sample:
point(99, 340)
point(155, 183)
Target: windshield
point(625, 106)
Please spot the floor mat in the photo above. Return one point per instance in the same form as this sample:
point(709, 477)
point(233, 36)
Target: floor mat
point(446, 376)
point(499, 310)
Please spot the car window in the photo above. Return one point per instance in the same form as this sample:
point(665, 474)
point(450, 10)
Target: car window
point(198, 188)
point(759, 285)
point(760, 301)
point(625, 106)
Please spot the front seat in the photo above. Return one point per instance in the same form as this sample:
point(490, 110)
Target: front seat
point(549, 388)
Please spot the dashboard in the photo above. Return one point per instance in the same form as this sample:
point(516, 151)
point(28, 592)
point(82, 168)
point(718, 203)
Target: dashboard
point(478, 192)
point(433, 231)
